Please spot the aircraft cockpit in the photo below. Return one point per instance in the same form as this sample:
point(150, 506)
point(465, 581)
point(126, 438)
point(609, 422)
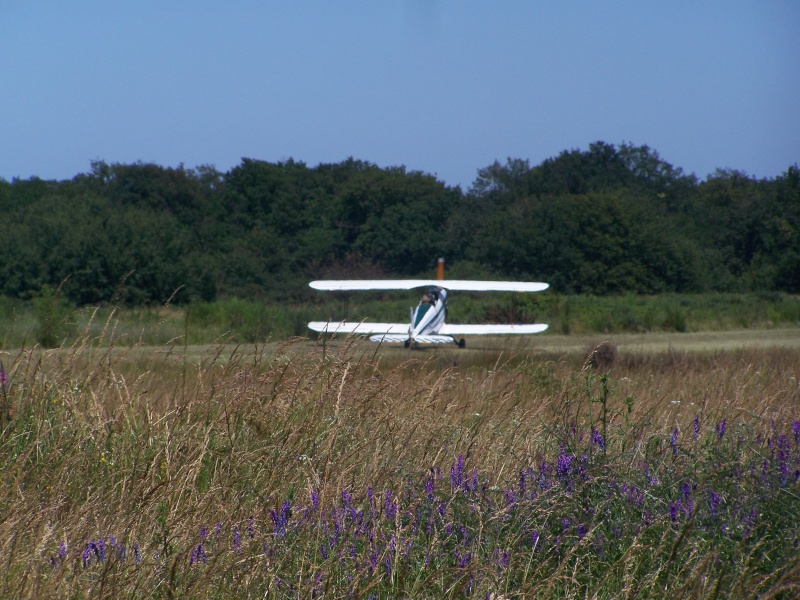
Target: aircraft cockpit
point(431, 297)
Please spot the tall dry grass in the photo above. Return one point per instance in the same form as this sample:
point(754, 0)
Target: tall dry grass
point(338, 471)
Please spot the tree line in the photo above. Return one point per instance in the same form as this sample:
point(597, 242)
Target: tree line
point(606, 220)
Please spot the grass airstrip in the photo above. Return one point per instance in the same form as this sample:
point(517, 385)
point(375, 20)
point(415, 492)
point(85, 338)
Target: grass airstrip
point(608, 465)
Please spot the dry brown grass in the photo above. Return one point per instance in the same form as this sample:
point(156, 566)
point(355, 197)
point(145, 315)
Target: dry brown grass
point(150, 446)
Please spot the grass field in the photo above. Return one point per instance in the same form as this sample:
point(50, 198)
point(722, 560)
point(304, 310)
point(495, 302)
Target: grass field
point(51, 322)
point(554, 467)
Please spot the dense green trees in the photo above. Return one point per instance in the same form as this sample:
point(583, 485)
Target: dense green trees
point(605, 220)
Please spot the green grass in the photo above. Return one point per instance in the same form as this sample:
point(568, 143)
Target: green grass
point(50, 322)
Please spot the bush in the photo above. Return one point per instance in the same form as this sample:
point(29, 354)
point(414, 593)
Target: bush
point(53, 315)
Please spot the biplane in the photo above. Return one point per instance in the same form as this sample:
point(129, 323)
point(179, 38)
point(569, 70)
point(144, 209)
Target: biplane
point(427, 321)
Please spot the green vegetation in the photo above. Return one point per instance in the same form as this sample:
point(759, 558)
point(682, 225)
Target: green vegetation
point(50, 321)
point(336, 472)
point(604, 221)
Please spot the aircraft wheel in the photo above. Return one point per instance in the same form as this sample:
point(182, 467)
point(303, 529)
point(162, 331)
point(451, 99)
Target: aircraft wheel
point(462, 343)
point(407, 343)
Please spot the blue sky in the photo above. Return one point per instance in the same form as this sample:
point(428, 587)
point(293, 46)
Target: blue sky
point(444, 87)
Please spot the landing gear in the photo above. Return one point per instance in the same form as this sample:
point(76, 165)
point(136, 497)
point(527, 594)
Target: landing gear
point(462, 343)
point(407, 343)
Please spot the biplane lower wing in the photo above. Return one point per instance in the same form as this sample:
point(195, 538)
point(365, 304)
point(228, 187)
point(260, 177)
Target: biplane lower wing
point(394, 332)
point(420, 339)
point(523, 329)
point(360, 328)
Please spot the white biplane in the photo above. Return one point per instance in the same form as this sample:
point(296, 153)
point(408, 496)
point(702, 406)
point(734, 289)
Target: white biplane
point(428, 318)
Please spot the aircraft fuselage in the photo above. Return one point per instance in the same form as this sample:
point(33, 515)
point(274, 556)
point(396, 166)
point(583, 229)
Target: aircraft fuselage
point(428, 317)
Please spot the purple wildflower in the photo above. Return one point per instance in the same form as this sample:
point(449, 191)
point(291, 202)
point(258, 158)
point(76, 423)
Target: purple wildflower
point(237, 540)
point(465, 536)
point(581, 531)
point(564, 465)
point(714, 500)
point(457, 473)
point(696, 428)
point(535, 539)
point(544, 472)
point(390, 506)
point(463, 559)
point(280, 519)
point(472, 484)
point(3, 380)
point(337, 524)
point(86, 554)
point(636, 496)
point(796, 429)
point(317, 591)
point(315, 500)
point(198, 555)
point(597, 439)
point(651, 477)
point(94, 551)
point(673, 440)
point(783, 465)
point(721, 426)
point(203, 533)
point(686, 490)
point(62, 549)
point(429, 485)
point(373, 560)
point(501, 559)
point(599, 545)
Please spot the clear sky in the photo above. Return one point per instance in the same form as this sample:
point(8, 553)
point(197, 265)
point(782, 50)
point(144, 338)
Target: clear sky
point(441, 86)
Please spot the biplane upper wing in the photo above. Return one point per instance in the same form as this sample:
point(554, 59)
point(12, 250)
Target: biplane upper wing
point(464, 285)
point(523, 329)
